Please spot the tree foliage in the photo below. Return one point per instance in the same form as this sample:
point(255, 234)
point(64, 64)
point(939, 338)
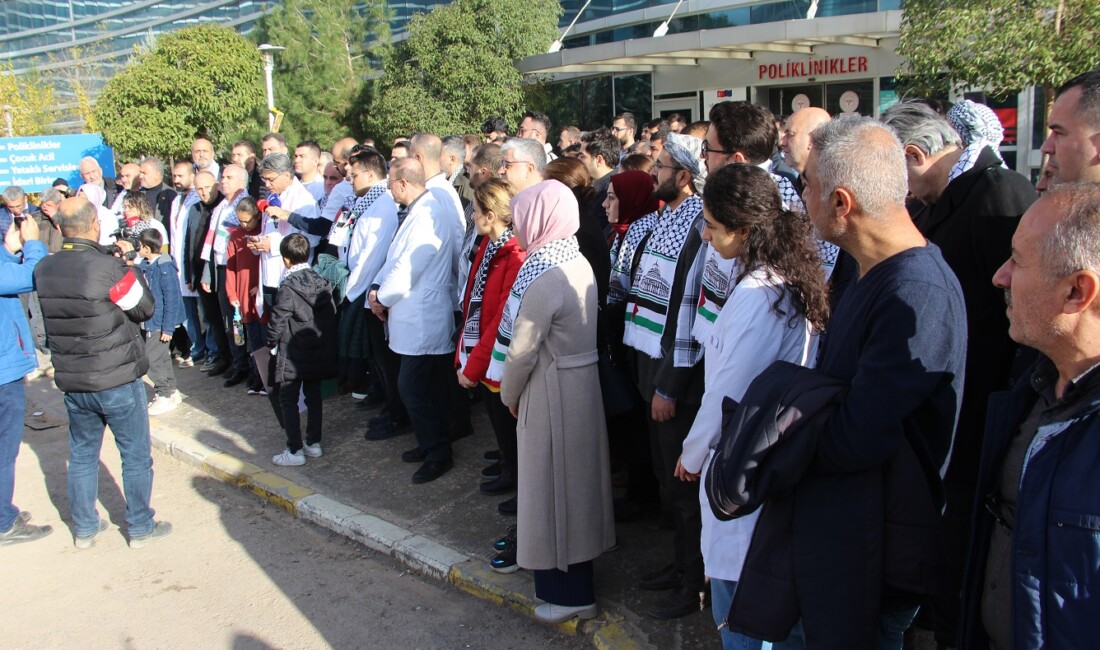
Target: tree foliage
point(198, 80)
point(456, 67)
point(323, 75)
point(1002, 46)
point(29, 101)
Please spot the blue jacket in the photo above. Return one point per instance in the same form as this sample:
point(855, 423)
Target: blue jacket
point(17, 357)
point(162, 276)
point(1056, 536)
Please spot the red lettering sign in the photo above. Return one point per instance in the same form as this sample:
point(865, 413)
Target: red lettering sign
point(813, 67)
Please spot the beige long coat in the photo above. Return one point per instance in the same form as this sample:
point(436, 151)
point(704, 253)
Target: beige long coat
point(564, 509)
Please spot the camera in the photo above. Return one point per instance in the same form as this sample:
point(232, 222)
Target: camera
point(124, 232)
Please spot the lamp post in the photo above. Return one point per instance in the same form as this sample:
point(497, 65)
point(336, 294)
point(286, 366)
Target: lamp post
point(269, 51)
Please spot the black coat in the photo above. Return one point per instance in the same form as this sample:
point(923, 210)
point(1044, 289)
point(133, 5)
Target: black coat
point(160, 198)
point(92, 304)
point(303, 328)
point(198, 223)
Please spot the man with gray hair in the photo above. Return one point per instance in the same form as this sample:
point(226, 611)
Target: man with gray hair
point(523, 163)
point(853, 546)
point(15, 205)
point(453, 162)
point(1039, 457)
point(91, 172)
point(49, 232)
point(970, 208)
point(286, 195)
point(159, 195)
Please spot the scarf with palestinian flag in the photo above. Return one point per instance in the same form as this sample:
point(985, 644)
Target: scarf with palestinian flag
point(551, 255)
point(647, 305)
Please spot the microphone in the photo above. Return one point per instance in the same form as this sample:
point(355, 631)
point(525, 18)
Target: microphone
point(262, 204)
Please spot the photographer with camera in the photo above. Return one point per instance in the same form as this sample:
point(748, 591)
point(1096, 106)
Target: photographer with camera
point(21, 252)
point(93, 304)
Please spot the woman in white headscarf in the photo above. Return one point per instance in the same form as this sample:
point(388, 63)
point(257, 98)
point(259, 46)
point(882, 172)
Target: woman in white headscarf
point(108, 222)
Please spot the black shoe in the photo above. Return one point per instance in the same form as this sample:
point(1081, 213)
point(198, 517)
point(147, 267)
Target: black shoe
point(662, 579)
point(505, 562)
point(507, 541)
point(385, 429)
point(492, 456)
point(219, 367)
point(676, 604)
point(381, 417)
point(414, 455)
point(498, 486)
point(21, 531)
point(234, 377)
point(431, 470)
point(492, 471)
point(507, 507)
point(460, 431)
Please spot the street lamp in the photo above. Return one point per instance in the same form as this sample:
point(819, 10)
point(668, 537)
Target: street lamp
point(269, 51)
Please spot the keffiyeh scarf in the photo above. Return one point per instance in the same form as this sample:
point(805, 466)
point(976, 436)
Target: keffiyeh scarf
point(471, 330)
point(647, 308)
point(967, 160)
point(542, 260)
point(622, 256)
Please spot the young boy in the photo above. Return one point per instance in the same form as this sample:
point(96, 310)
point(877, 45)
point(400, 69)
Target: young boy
point(162, 276)
point(301, 333)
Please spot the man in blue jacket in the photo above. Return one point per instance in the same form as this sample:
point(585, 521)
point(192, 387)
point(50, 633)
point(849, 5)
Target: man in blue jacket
point(20, 254)
point(1034, 562)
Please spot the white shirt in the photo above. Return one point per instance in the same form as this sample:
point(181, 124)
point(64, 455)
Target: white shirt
point(336, 198)
point(315, 188)
point(294, 198)
point(369, 244)
point(177, 222)
point(747, 337)
point(447, 194)
point(417, 280)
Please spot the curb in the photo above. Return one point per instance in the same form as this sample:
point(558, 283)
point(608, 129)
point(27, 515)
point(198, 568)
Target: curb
point(425, 556)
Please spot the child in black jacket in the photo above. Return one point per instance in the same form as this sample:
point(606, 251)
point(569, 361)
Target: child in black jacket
point(302, 336)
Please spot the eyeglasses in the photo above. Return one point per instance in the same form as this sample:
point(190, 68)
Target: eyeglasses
point(269, 179)
point(618, 129)
point(708, 149)
point(660, 165)
point(522, 131)
point(505, 163)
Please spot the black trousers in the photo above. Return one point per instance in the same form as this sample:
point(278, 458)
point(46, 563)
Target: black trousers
point(239, 352)
point(573, 588)
point(667, 443)
point(423, 383)
point(212, 308)
point(388, 365)
point(504, 426)
point(292, 419)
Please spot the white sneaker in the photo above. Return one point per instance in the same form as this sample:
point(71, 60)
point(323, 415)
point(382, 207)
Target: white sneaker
point(162, 405)
point(288, 459)
point(313, 451)
point(176, 398)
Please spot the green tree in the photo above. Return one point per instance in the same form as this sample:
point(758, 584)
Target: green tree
point(456, 67)
point(27, 102)
point(204, 80)
point(999, 45)
point(323, 75)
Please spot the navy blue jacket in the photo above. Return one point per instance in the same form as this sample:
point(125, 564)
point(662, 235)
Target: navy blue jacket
point(162, 276)
point(1056, 537)
point(862, 524)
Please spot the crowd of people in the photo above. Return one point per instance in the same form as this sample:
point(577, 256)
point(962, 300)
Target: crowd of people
point(804, 318)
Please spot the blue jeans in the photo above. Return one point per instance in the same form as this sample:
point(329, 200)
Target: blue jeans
point(891, 632)
point(202, 338)
point(122, 408)
point(721, 595)
point(13, 406)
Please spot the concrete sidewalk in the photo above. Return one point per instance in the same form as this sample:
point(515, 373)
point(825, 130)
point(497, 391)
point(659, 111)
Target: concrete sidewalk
point(444, 529)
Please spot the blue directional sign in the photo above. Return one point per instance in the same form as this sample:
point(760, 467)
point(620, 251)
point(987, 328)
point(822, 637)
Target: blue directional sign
point(34, 163)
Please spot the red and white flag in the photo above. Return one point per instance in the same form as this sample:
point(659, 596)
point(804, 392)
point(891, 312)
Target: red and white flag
point(127, 292)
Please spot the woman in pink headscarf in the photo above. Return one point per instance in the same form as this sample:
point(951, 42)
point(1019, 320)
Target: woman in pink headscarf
point(550, 382)
point(108, 222)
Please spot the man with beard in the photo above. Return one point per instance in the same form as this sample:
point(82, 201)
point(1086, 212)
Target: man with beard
point(600, 155)
point(672, 391)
